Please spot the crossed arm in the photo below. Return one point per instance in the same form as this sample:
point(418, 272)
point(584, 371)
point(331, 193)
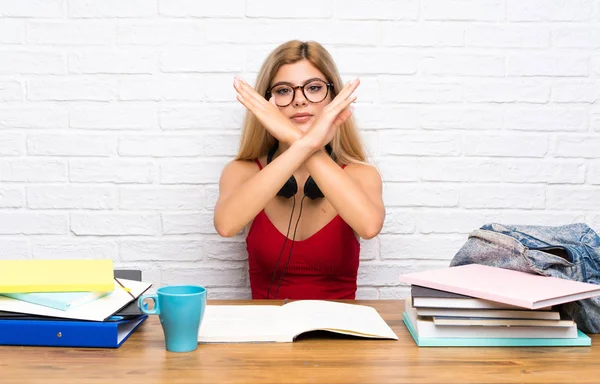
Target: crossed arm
point(355, 193)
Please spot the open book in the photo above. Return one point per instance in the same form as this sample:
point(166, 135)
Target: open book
point(274, 323)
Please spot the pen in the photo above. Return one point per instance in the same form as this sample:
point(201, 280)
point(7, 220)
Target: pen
point(125, 288)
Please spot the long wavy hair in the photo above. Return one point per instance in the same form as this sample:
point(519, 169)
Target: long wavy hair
point(256, 140)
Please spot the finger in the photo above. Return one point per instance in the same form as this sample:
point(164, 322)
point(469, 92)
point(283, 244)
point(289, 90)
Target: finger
point(347, 91)
point(243, 88)
point(344, 94)
point(349, 88)
point(338, 121)
point(345, 114)
point(250, 92)
point(341, 105)
point(257, 109)
point(342, 117)
point(250, 104)
point(244, 102)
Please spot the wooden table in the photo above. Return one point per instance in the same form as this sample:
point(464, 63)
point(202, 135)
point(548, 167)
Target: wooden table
point(143, 359)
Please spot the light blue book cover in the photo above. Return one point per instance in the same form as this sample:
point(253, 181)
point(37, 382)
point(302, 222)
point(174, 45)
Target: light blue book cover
point(57, 300)
point(582, 340)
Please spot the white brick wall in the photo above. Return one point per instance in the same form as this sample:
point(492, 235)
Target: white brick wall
point(117, 117)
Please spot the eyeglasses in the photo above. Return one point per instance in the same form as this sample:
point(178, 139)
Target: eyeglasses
point(315, 91)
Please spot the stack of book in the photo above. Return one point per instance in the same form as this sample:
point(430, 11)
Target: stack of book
point(74, 303)
point(478, 305)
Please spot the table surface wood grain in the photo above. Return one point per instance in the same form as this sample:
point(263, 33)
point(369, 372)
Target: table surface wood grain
point(314, 358)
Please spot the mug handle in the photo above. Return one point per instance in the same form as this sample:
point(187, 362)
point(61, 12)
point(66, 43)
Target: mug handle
point(144, 308)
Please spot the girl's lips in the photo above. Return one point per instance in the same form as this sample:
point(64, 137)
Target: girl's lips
point(301, 118)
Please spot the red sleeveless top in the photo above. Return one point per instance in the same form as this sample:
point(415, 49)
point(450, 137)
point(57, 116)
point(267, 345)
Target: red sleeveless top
point(323, 266)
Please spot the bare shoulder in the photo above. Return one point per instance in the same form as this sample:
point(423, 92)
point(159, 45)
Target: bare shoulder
point(239, 170)
point(363, 173)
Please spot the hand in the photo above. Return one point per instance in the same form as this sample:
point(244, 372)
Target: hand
point(333, 115)
point(267, 113)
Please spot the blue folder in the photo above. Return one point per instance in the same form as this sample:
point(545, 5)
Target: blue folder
point(68, 333)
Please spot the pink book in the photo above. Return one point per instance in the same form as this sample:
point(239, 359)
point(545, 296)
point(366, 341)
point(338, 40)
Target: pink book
point(504, 285)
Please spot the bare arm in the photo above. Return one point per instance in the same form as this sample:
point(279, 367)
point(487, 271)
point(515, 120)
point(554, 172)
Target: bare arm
point(243, 192)
point(355, 193)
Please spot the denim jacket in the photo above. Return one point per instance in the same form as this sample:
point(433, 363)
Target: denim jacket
point(567, 252)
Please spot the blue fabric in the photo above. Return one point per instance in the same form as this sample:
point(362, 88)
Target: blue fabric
point(567, 252)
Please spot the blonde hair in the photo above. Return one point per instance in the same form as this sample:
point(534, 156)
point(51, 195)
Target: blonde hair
point(256, 140)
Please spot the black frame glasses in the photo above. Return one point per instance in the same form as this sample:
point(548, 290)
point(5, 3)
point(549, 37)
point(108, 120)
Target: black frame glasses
point(303, 87)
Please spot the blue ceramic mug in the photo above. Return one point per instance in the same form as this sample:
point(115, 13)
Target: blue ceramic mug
point(180, 309)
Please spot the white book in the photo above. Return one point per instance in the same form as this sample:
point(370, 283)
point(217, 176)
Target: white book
point(490, 322)
point(97, 310)
point(424, 297)
point(435, 302)
point(426, 328)
point(489, 313)
point(58, 300)
point(283, 323)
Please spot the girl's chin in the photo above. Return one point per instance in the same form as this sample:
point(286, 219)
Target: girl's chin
point(303, 126)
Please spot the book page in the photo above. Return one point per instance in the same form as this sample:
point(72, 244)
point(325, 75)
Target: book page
point(358, 320)
point(497, 322)
point(241, 323)
point(126, 328)
point(489, 313)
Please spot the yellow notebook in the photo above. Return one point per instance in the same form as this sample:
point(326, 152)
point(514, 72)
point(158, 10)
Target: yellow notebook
point(23, 276)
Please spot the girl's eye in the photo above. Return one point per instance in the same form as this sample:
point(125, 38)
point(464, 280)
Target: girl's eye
point(314, 88)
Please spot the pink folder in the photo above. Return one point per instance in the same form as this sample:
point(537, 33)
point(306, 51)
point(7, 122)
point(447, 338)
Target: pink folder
point(504, 285)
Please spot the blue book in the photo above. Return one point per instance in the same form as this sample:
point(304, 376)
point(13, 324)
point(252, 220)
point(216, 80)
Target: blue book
point(58, 300)
point(582, 340)
point(68, 333)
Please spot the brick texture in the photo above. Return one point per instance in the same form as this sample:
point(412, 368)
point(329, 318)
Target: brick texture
point(117, 117)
